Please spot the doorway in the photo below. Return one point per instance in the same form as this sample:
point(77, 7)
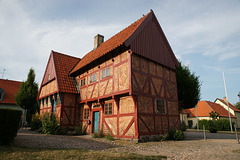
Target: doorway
point(95, 122)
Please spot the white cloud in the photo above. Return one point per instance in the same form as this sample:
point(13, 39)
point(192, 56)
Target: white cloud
point(204, 27)
point(27, 42)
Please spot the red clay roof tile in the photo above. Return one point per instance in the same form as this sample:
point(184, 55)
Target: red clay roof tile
point(109, 45)
point(205, 107)
point(230, 105)
point(64, 64)
point(11, 88)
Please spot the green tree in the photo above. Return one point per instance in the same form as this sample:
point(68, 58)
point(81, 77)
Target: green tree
point(27, 95)
point(237, 105)
point(214, 115)
point(188, 86)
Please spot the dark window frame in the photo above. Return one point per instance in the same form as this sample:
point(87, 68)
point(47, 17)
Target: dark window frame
point(83, 82)
point(160, 106)
point(108, 108)
point(2, 94)
point(86, 113)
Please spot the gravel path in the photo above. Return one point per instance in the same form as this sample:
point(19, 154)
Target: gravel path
point(26, 138)
point(191, 148)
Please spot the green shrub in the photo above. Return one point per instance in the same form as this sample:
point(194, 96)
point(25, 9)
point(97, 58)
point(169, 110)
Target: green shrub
point(109, 137)
point(80, 130)
point(36, 122)
point(10, 123)
point(203, 122)
point(212, 126)
point(223, 125)
point(50, 124)
point(175, 135)
point(183, 126)
point(98, 135)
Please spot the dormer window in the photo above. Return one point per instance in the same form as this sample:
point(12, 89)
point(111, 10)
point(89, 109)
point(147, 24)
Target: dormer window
point(2, 93)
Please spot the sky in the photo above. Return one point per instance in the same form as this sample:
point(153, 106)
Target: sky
point(204, 35)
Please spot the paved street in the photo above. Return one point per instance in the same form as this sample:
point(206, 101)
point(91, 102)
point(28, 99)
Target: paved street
point(199, 135)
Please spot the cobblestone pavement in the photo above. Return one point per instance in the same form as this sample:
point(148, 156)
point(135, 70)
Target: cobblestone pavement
point(191, 148)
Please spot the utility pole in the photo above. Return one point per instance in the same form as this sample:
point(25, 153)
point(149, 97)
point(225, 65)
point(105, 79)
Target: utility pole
point(227, 102)
point(197, 118)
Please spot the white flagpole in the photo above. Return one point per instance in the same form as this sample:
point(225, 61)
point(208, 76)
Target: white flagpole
point(197, 118)
point(227, 102)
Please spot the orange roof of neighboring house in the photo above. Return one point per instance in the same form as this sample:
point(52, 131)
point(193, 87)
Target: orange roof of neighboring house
point(11, 89)
point(230, 105)
point(205, 107)
point(184, 111)
point(63, 65)
point(109, 45)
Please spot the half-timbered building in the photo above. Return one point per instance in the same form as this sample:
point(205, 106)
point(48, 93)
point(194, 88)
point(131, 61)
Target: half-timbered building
point(125, 86)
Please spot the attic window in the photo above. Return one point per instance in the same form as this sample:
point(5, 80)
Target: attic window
point(49, 76)
point(160, 106)
point(2, 93)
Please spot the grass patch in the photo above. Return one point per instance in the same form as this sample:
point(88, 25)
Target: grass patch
point(109, 137)
point(11, 152)
point(236, 151)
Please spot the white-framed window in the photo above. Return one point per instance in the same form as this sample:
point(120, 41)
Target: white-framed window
point(106, 73)
point(160, 106)
point(93, 78)
point(103, 73)
point(49, 76)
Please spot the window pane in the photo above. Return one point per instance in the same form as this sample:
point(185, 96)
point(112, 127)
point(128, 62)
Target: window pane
point(108, 71)
point(94, 77)
point(91, 78)
point(103, 74)
point(160, 106)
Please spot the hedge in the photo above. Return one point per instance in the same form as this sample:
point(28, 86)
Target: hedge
point(10, 120)
point(220, 124)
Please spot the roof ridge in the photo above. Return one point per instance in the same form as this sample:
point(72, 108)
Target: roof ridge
point(63, 54)
point(230, 105)
point(10, 80)
point(109, 45)
point(209, 105)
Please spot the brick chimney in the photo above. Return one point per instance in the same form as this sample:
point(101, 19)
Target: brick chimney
point(225, 99)
point(98, 39)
